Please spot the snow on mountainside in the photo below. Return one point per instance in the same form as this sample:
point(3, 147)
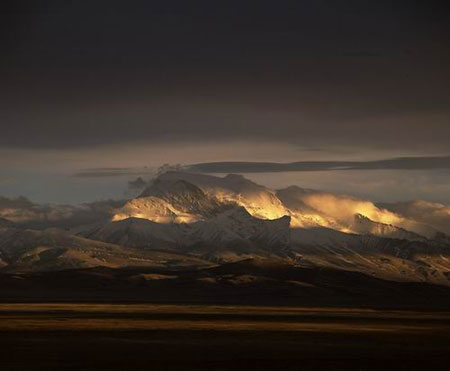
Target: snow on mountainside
point(172, 201)
point(239, 224)
point(388, 258)
point(258, 200)
point(135, 232)
point(154, 209)
point(184, 196)
point(363, 225)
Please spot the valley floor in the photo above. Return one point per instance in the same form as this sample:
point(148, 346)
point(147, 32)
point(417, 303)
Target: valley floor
point(49, 336)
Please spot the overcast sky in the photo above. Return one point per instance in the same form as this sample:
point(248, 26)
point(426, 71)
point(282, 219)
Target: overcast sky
point(118, 83)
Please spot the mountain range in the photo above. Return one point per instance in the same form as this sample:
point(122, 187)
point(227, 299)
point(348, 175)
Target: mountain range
point(192, 222)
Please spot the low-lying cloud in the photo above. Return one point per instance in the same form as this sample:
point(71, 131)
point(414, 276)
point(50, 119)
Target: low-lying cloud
point(25, 213)
point(432, 213)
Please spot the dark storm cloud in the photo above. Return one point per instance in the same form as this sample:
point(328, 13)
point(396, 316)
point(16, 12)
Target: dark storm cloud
point(407, 163)
point(315, 73)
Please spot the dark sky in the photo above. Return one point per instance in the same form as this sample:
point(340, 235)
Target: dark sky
point(311, 73)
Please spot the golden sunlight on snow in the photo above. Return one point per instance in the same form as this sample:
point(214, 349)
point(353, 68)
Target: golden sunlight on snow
point(307, 208)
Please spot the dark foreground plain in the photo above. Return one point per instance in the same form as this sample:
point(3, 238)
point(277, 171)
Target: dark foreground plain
point(64, 336)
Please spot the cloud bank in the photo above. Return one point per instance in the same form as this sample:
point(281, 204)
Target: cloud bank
point(404, 163)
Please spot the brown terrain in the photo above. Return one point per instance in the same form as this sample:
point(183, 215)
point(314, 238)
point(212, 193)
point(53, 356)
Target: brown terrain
point(216, 337)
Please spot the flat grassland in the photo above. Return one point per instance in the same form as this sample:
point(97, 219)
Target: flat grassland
point(59, 336)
